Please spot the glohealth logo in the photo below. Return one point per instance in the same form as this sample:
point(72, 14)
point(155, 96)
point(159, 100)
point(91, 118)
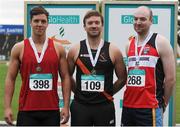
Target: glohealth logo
point(129, 19)
point(64, 19)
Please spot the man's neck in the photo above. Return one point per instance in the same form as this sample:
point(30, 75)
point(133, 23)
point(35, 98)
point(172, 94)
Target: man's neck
point(94, 42)
point(142, 37)
point(39, 39)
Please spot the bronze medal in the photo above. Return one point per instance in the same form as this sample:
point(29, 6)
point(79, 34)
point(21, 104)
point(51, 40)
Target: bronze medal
point(38, 69)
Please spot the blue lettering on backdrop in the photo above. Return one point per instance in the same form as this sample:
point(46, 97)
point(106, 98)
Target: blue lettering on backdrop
point(12, 29)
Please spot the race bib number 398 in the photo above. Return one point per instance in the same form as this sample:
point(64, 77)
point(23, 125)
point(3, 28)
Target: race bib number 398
point(92, 83)
point(40, 82)
point(136, 78)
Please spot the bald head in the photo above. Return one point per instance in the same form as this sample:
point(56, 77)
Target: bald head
point(145, 11)
point(142, 20)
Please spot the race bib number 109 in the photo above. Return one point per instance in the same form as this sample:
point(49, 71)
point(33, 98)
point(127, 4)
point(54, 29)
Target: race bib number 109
point(92, 83)
point(40, 82)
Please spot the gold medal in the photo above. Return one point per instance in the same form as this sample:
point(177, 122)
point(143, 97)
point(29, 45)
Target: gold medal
point(38, 69)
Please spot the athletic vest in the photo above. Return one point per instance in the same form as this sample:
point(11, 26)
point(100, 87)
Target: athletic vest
point(144, 88)
point(33, 97)
point(104, 71)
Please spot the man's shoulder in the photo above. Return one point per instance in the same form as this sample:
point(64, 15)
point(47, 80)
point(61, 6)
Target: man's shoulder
point(19, 44)
point(17, 49)
point(56, 44)
point(114, 49)
point(75, 47)
point(160, 39)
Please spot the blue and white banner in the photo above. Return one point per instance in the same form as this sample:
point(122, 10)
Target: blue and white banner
point(12, 29)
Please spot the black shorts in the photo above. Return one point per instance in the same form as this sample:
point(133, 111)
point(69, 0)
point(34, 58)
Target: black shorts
point(142, 117)
point(92, 114)
point(38, 118)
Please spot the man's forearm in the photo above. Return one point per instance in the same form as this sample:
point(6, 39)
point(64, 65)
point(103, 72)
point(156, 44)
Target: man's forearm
point(118, 85)
point(9, 91)
point(168, 89)
point(73, 84)
point(66, 89)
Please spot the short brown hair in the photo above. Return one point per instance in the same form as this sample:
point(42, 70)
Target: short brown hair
point(38, 10)
point(93, 13)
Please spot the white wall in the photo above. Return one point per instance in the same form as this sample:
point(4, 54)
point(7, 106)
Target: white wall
point(12, 11)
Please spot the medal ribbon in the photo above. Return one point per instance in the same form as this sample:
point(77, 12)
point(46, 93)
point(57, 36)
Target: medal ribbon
point(142, 47)
point(45, 45)
point(94, 60)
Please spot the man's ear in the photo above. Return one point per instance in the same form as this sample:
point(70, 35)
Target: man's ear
point(84, 27)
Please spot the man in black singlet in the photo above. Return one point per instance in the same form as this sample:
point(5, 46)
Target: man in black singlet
point(95, 61)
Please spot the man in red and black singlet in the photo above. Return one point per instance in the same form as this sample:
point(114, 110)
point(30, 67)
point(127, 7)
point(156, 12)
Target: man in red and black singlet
point(39, 60)
point(95, 61)
point(151, 74)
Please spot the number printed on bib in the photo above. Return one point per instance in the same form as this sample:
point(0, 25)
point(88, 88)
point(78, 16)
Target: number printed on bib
point(136, 78)
point(92, 83)
point(40, 82)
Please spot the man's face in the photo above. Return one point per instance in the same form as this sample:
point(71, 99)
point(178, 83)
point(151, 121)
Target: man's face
point(39, 24)
point(93, 26)
point(142, 21)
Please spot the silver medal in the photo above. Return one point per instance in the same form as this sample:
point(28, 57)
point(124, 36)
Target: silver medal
point(137, 64)
point(93, 72)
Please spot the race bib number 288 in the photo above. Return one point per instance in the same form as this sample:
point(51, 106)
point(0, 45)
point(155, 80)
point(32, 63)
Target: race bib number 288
point(39, 82)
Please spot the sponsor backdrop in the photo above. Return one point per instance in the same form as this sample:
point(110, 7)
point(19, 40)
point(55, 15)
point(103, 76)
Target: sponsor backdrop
point(119, 27)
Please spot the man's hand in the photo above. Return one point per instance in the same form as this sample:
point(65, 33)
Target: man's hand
point(64, 115)
point(8, 116)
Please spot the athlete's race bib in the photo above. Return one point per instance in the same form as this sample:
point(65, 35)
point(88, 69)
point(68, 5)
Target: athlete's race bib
point(136, 78)
point(40, 82)
point(92, 83)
